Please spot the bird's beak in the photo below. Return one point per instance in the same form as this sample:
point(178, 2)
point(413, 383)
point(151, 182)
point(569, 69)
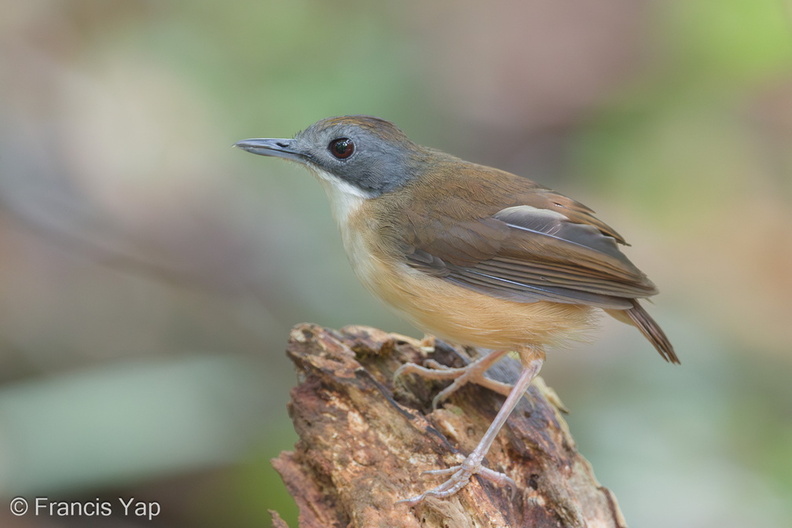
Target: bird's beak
point(279, 148)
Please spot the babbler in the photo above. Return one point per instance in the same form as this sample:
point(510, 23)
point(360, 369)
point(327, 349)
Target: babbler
point(468, 253)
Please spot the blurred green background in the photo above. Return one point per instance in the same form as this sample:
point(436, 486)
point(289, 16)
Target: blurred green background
point(149, 274)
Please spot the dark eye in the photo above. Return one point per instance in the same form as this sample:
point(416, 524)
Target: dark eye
point(341, 148)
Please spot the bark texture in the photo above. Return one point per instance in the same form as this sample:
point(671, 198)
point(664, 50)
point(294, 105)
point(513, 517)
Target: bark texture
point(364, 441)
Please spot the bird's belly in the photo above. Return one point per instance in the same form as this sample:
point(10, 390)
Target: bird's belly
point(460, 315)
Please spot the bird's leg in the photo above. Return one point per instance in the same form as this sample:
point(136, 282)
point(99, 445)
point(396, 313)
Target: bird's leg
point(472, 373)
point(460, 475)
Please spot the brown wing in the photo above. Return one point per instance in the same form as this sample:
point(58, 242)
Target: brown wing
point(545, 247)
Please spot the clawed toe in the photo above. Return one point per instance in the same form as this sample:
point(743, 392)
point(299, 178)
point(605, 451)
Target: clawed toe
point(460, 476)
point(472, 465)
point(434, 370)
point(457, 481)
point(472, 373)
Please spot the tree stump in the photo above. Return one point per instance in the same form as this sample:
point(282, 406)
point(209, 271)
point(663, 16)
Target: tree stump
point(365, 441)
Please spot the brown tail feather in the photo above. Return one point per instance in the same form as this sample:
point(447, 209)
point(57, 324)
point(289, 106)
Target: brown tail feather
point(638, 317)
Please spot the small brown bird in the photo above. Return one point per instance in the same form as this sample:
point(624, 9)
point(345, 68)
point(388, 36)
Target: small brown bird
point(471, 254)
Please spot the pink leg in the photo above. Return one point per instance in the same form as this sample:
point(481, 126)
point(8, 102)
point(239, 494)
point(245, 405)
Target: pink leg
point(460, 475)
point(473, 373)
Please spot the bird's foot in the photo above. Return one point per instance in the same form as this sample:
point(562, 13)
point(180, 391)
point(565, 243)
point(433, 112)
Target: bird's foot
point(473, 373)
point(460, 477)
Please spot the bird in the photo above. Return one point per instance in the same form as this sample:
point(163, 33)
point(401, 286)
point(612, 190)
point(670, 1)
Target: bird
point(471, 254)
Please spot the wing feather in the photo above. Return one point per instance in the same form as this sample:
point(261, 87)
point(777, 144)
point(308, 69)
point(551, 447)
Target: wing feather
point(528, 254)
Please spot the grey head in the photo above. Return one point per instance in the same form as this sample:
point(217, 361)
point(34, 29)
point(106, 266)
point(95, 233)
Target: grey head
point(369, 153)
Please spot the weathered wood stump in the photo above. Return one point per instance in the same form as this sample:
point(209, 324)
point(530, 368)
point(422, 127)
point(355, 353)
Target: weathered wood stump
point(365, 439)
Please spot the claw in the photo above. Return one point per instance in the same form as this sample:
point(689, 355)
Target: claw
point(460, 475)
point(473, 373)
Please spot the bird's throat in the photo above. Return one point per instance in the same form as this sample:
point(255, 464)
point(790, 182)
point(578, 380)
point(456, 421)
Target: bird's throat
point(345, 199)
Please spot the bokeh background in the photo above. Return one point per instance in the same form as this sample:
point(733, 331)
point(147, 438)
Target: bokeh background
point(149, 273)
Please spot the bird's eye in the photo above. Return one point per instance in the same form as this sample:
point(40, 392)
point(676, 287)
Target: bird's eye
point(341, 148)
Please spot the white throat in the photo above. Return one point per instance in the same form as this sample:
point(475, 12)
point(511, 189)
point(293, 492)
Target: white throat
point(345, 198)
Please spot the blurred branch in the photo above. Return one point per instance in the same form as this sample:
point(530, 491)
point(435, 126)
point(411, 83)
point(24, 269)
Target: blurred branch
point(365, 442)
point(93, 251)
point(130, 263)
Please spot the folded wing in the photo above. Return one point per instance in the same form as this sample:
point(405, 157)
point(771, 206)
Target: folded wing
point(525, 253)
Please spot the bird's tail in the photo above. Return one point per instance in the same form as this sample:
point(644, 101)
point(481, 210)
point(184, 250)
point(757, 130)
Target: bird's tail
point(639, 318)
